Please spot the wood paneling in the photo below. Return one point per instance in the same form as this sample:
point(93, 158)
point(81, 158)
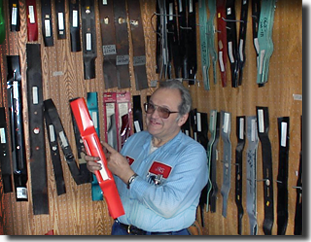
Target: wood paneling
point(75, 212)
point(285, 79)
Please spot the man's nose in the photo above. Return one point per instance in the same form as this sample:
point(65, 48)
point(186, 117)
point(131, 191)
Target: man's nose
point(155, 113)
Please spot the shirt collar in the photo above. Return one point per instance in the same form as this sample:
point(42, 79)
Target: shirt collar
point(149, 137)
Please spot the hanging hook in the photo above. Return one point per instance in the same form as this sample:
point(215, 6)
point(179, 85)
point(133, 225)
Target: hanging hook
point(185, 27)
point(233, 21)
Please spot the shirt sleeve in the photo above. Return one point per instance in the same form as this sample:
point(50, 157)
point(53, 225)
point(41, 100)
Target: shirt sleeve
point(181, 189)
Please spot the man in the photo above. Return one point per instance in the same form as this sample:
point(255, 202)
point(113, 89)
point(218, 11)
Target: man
point(159, 172)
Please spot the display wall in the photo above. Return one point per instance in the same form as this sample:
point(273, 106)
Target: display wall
point(74, 213)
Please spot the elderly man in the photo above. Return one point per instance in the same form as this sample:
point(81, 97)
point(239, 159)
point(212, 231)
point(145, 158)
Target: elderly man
point(159, 172)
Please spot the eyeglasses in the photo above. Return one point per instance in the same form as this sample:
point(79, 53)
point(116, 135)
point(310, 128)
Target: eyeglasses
point(163, 112)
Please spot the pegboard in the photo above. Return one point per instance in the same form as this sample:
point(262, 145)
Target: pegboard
point(62, 70)
point(280, 95)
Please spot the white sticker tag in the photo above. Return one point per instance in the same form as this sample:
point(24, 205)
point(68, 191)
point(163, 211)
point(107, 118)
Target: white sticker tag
point(221, 61)
point(52, 133)
point(297, 97)
point(137, 126)
point(241, 133)
point(14, 16)
point(89, 41)
point(229, 11)
point(190, 6)
point(199, 126)
point(253, 128)
point(109, 49)
point(180, 6)
point(15, 89)
point(58, 73)
point(94, 118)
point(213, 120)
point(63, 139)
point(75, 18)
point(283, 134)
point(103, 171)
point(2, 136)
point(226, 123)
point(261, 121)
point(170, 12)
point(47, 28)
point(35, 95)
point(21, 193)
point(105, 2)
point(256, 43)
point(231, 57)
point(31, 16)
point(60, 21)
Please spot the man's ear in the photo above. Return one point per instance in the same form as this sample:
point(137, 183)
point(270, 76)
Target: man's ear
point(183, 119)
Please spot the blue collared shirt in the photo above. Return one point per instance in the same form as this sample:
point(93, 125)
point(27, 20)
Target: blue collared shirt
point(166, 202)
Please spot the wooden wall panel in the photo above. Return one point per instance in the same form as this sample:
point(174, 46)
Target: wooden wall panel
point(285, 79)
point(75, 212)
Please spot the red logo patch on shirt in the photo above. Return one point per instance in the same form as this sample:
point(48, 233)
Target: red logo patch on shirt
point(129, 160)
point(159, 168)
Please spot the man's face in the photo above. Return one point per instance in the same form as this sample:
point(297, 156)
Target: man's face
point(165, 128)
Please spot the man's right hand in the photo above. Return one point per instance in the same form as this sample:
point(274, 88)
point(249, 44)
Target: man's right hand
point(91, 163)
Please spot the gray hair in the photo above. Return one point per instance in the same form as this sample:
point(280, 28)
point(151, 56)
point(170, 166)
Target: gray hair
point(186, 101)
